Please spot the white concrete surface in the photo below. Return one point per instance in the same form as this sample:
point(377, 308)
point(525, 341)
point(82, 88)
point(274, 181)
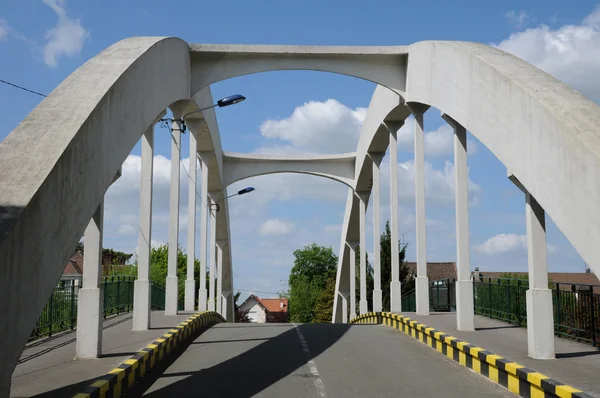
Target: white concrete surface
point(172, 288)
point(214, 202)
point(363, 307)
point(465, 310)
point(377, 293)
point(90, 304)
point(141, 289)
point(352, 267)
point(190, 283)
point(204, 216)
point(219, 306)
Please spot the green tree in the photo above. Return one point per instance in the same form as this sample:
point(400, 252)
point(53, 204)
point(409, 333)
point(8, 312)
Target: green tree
point(324, 305)
point(240, 316)
point(303, 298)
point(159, 264)
point(316, 262)
point(405, 277)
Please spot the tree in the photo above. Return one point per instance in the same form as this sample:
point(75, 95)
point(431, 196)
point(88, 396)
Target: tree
point(159, 264)
point(240, 316)
point(405, 277)
point(313, 266)
point(324, 304)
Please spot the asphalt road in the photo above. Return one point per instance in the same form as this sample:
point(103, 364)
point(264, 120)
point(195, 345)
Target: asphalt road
point(313, 360)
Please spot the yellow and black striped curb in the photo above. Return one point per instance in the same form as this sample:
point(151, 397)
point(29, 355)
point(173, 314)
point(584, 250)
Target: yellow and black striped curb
point(122, 378)
point(516, 378)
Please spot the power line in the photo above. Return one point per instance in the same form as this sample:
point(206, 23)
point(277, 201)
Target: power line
point(255, 291)
point(22, 88)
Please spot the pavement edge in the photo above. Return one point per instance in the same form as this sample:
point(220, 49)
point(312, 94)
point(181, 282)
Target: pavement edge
point(518, 379)
point(122, 378)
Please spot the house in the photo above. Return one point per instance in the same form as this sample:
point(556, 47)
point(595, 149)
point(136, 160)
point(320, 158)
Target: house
point(265, 310)
point(566, 280)
point(73, 271)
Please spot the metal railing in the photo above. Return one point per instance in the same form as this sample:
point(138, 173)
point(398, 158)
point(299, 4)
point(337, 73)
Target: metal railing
point(576, 307)
point(409, 302)
point(442, 296)
point(60, 312)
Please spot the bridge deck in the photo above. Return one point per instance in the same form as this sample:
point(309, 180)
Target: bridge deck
point(269, 360)
point(47, 369)
point(576, 364)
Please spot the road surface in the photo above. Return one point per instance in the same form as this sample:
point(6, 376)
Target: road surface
point(312, 360)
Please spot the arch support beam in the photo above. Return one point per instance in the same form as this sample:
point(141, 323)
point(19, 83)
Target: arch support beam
point(239, 166)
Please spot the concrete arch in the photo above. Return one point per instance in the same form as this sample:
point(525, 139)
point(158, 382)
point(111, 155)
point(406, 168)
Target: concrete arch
point(384, 65)
point(63, 156)
point(544, 132)
point(238, 166)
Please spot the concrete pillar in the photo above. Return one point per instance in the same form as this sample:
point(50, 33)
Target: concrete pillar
point(190, 283)
point(213, 257)
point(422, 281)
point(465, 310)
point(141, 287)
point(90, 296)
point(540, 319)
point(377, 294)
point(225, 307)
point(219, 305)
point(395, 284)
point(352, 248)
point(172, 288)
point(202, 292)
point(344, 305)
point(363, 307)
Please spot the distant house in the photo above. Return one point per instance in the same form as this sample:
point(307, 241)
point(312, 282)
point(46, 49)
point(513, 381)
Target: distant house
point(266, 310)
point(447, 270)
point(73, 271)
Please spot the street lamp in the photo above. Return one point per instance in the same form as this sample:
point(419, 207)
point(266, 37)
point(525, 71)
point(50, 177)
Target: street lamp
point(240, 192)
point(223, 102)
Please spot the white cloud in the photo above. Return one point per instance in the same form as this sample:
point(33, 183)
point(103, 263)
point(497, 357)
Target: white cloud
point(569, 53)
point(276, 227)
point(321, 127)
point(518, 18)
point(437, 143)
point(66, 38)
point(4, 29)
point(504, 243)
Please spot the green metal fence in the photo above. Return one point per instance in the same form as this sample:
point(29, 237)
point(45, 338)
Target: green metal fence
point(409, 302)
point(60, 312)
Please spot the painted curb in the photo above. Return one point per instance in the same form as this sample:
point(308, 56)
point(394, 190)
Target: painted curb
point(516, 378)
point(122, 378)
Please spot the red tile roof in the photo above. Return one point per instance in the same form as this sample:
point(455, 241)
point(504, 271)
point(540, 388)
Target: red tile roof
point(75, 265)
point(271, 304)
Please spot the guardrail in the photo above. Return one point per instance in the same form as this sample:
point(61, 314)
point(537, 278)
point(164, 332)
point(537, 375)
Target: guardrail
point(60, 312)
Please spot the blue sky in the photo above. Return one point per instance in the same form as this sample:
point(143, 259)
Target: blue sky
point(310, 112)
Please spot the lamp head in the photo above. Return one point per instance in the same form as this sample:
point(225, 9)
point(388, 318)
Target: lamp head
point(231, 100)
point(245, 190)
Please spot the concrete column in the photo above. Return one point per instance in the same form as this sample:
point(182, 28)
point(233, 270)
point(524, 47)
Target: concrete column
point(219, 305)
point(363, 307)
point(90, 296)
point(422, 281)
point(225, 307)
point(172, 288)
point(395, 284)
point(213, 257)
point(377, 294)
point(202, 292)
point(352, 247)
point(465, 310)
point(344, 301)
point(141, 287)
point(540, 319)
point(190, 283)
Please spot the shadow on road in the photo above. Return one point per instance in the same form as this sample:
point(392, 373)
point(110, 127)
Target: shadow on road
point(248, 373)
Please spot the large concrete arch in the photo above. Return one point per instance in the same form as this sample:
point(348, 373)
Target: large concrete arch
point(544, 132)
point(238, 166)
point(63, 157)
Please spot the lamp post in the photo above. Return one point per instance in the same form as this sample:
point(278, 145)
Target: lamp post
point(223, 102)
point(240, 192)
